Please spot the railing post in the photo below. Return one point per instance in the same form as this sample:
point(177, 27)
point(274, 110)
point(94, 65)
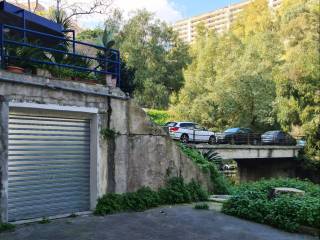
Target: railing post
point(119, 70)
point(1, 46)
point(73, 42)
point(24, 26)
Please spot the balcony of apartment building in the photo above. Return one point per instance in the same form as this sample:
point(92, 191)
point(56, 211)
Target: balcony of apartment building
point(31, 44)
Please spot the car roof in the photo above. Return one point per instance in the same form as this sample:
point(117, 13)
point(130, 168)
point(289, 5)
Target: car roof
point(272, 132)
point(233, 128)
point(187, 122)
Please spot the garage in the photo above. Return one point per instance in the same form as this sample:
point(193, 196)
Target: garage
point(48, 165)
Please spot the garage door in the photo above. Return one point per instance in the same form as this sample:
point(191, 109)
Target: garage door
point(48, 167)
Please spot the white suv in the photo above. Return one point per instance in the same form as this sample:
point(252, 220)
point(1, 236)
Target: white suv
point(190, 132)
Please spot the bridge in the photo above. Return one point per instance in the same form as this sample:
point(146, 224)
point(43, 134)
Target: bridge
point(255, 162)
point(235, 152)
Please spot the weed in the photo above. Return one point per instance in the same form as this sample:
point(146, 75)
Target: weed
point(175, 191)
point(201, 206)
point(44, 221)
point(6, 227)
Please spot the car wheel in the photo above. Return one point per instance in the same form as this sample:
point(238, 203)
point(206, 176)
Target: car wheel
point(184, 138)
point(212, 140)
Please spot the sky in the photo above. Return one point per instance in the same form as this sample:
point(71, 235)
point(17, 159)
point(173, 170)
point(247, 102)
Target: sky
point(167, 10)
point(189, 8)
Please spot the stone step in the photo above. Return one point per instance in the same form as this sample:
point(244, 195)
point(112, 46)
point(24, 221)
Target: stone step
point(219, 198)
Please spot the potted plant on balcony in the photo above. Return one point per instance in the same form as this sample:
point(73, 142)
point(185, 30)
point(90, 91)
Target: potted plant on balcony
point(107, 42)
point(20, 58)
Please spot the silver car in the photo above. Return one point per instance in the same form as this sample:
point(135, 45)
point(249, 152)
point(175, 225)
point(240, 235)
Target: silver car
point(190, 132)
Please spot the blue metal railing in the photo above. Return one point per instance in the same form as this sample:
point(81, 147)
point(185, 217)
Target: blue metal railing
point(108, 65)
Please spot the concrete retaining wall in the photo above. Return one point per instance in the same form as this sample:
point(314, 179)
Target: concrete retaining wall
point(141, 154)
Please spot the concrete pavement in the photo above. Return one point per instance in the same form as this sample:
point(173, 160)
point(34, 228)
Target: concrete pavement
point(164, 223)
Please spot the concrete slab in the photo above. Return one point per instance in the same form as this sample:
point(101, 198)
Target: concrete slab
point(166, 223)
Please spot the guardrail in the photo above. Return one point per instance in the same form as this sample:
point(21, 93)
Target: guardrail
point(57, 53)
point(254, 139)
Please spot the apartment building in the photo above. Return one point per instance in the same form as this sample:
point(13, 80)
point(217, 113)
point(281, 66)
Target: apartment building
point(220, 20)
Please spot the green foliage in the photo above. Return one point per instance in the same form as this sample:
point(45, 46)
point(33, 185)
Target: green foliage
point(6, 227)
point(298, 96)
point(44, 221)
point(175, 191)
point(90, 36)
point(201, 206)
point(108, 133)
point(159, 117)
point(152, 48)
point(263, 74)
point(287, 211)
point(25, 54)
point(220, 184)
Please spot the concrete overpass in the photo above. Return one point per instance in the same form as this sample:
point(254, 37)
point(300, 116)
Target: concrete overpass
point(235, 152)
point(256, 162)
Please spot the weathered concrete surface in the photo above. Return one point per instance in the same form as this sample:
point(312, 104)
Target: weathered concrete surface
point(250, 151)
point(175, 223)
point(145, 155)
point(141, 154)
point(4, 112)
point(256, 162)
point(253, 170)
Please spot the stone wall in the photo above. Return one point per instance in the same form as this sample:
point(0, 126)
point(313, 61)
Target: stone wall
point(141, 154)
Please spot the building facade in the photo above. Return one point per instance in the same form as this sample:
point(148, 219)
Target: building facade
point(220, 20)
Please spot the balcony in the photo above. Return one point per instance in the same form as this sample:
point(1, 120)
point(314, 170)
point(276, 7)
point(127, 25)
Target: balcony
point(31, 44)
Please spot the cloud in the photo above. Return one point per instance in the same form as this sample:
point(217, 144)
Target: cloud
point(166, 10)
point(163, 9)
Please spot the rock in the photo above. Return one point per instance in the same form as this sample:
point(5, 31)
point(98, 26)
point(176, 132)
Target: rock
point(219, 198)
point(284, 190)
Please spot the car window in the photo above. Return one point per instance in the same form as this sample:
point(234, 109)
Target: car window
point(170, 124)
point(231, 130)
point(187, 125)
point(270, 133)
point(199, 127)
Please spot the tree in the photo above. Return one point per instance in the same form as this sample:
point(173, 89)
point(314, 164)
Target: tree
point(256, 17)
point(152, 48)
point(229, 82)
point(76, 9)
point(298, 79)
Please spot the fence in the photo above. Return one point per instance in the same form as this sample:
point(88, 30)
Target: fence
point(58, 55)
point(254, 139)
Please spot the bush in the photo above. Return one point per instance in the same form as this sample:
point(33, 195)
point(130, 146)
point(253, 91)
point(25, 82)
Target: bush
point(175, 191)
point(159, 117)
point(286, 211)
point(6, 227)
point(201, 206)
point(220, 184)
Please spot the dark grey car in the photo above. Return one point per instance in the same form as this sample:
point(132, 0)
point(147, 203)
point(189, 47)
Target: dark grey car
point(277, 138)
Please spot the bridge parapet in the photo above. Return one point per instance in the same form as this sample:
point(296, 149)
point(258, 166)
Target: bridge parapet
point(250, 152)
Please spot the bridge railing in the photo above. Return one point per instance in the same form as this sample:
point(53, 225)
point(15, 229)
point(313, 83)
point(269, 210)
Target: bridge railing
point(254, 139)
point(59, 55)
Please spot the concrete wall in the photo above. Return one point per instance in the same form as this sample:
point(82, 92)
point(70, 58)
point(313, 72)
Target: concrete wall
point(251, 152)
point(4, 110)
point(256, 162)
point(141, 154)
point(145, 155)
point(253, 170)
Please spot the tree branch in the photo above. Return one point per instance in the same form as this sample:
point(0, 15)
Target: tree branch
point(77, 9)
